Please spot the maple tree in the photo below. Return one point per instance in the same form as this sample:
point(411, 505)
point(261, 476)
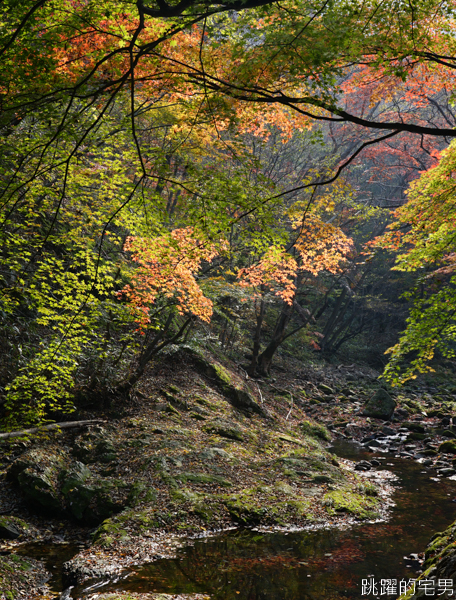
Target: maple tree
point(316, 246)
point(126, 124)
point(422, 235)
point(164, 280)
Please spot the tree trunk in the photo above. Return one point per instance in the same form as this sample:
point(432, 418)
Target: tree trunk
point(265, 358)
point(158, 343)
point(251, 370)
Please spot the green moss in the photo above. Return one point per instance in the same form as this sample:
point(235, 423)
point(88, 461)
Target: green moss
point(429, 452)
point(15, 522)
point(449, 447)
point(109, 529)
point(344, 500)
point(284, 488)
point(416, 436)
point(225, 430)
point(140, 492)
point(172, 411)
point(222, 374)
point(436, 548)
point(315, 430)
point(300, 507)
point(203, 478)
point(186, 495)
point(413, 406)
point(204, 402)
point(287, 438)
point(244, 510)
point(367, 488)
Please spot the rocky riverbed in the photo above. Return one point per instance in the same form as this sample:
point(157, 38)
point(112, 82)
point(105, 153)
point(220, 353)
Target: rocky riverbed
point(202, 448)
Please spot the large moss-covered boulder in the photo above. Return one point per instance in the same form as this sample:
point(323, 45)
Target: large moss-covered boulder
point(39, 489)
point(380, 406)
point(71, 478)
point(91, 504)
point(95, 447)
point(36, 473)
point(12, 528)
point(90, 500)
point(53, 485)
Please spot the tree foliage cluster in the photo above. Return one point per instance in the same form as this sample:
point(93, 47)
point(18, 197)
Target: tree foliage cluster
point(196, 170)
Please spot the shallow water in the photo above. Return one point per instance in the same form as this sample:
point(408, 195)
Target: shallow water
point(324, 564)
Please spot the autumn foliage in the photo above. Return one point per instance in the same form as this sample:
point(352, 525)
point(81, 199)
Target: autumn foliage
point(166, 270)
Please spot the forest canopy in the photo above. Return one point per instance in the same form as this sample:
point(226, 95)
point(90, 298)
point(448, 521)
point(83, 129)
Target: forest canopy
point(225, 173)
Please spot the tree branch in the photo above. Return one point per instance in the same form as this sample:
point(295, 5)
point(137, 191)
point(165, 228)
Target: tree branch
point(64, 425)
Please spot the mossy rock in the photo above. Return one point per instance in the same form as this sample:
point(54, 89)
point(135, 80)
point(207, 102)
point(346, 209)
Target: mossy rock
point(203, 478)
point(12, 528)
point(322, 479)
point(325, 389)
point(315, 430)
point(205, 402)
point(140, 492)
point(288, 438)
point(380, 406)
point(448, 447)
point(238, 393)
point(414, 435)
point(91, 504)
point(107, 531)
point(300, 507)
point(284, 488)
point(314, 401)
point(95, 448)
point(245, 511)
point(449, 434)
point(171, 410)
point(435, 548)
point(77, 475)
point(175, 400)
point(225, 430)
point(344, 500)
point(413, 406)
point(429, 452)
point(36, 460)
point(436, 412)
point(187, 495)
point(415, 427)
point(214, 453)
point(40, 490)
point(198, 416)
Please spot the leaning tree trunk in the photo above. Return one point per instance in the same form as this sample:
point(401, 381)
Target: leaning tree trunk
point(264, 362)
point(159, 342)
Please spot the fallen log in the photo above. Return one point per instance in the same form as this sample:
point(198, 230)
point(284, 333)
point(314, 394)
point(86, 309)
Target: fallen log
point(64, 425)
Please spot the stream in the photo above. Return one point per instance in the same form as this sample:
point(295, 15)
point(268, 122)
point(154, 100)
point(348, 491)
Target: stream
point(321, 564)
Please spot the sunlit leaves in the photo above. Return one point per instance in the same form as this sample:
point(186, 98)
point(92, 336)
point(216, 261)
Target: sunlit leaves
point(424, 237)
point(167, 267)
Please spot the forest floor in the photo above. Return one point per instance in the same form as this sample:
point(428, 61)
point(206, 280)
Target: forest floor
point(180, 460)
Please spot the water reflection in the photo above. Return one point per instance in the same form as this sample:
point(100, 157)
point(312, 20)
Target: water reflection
point(326, 564)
